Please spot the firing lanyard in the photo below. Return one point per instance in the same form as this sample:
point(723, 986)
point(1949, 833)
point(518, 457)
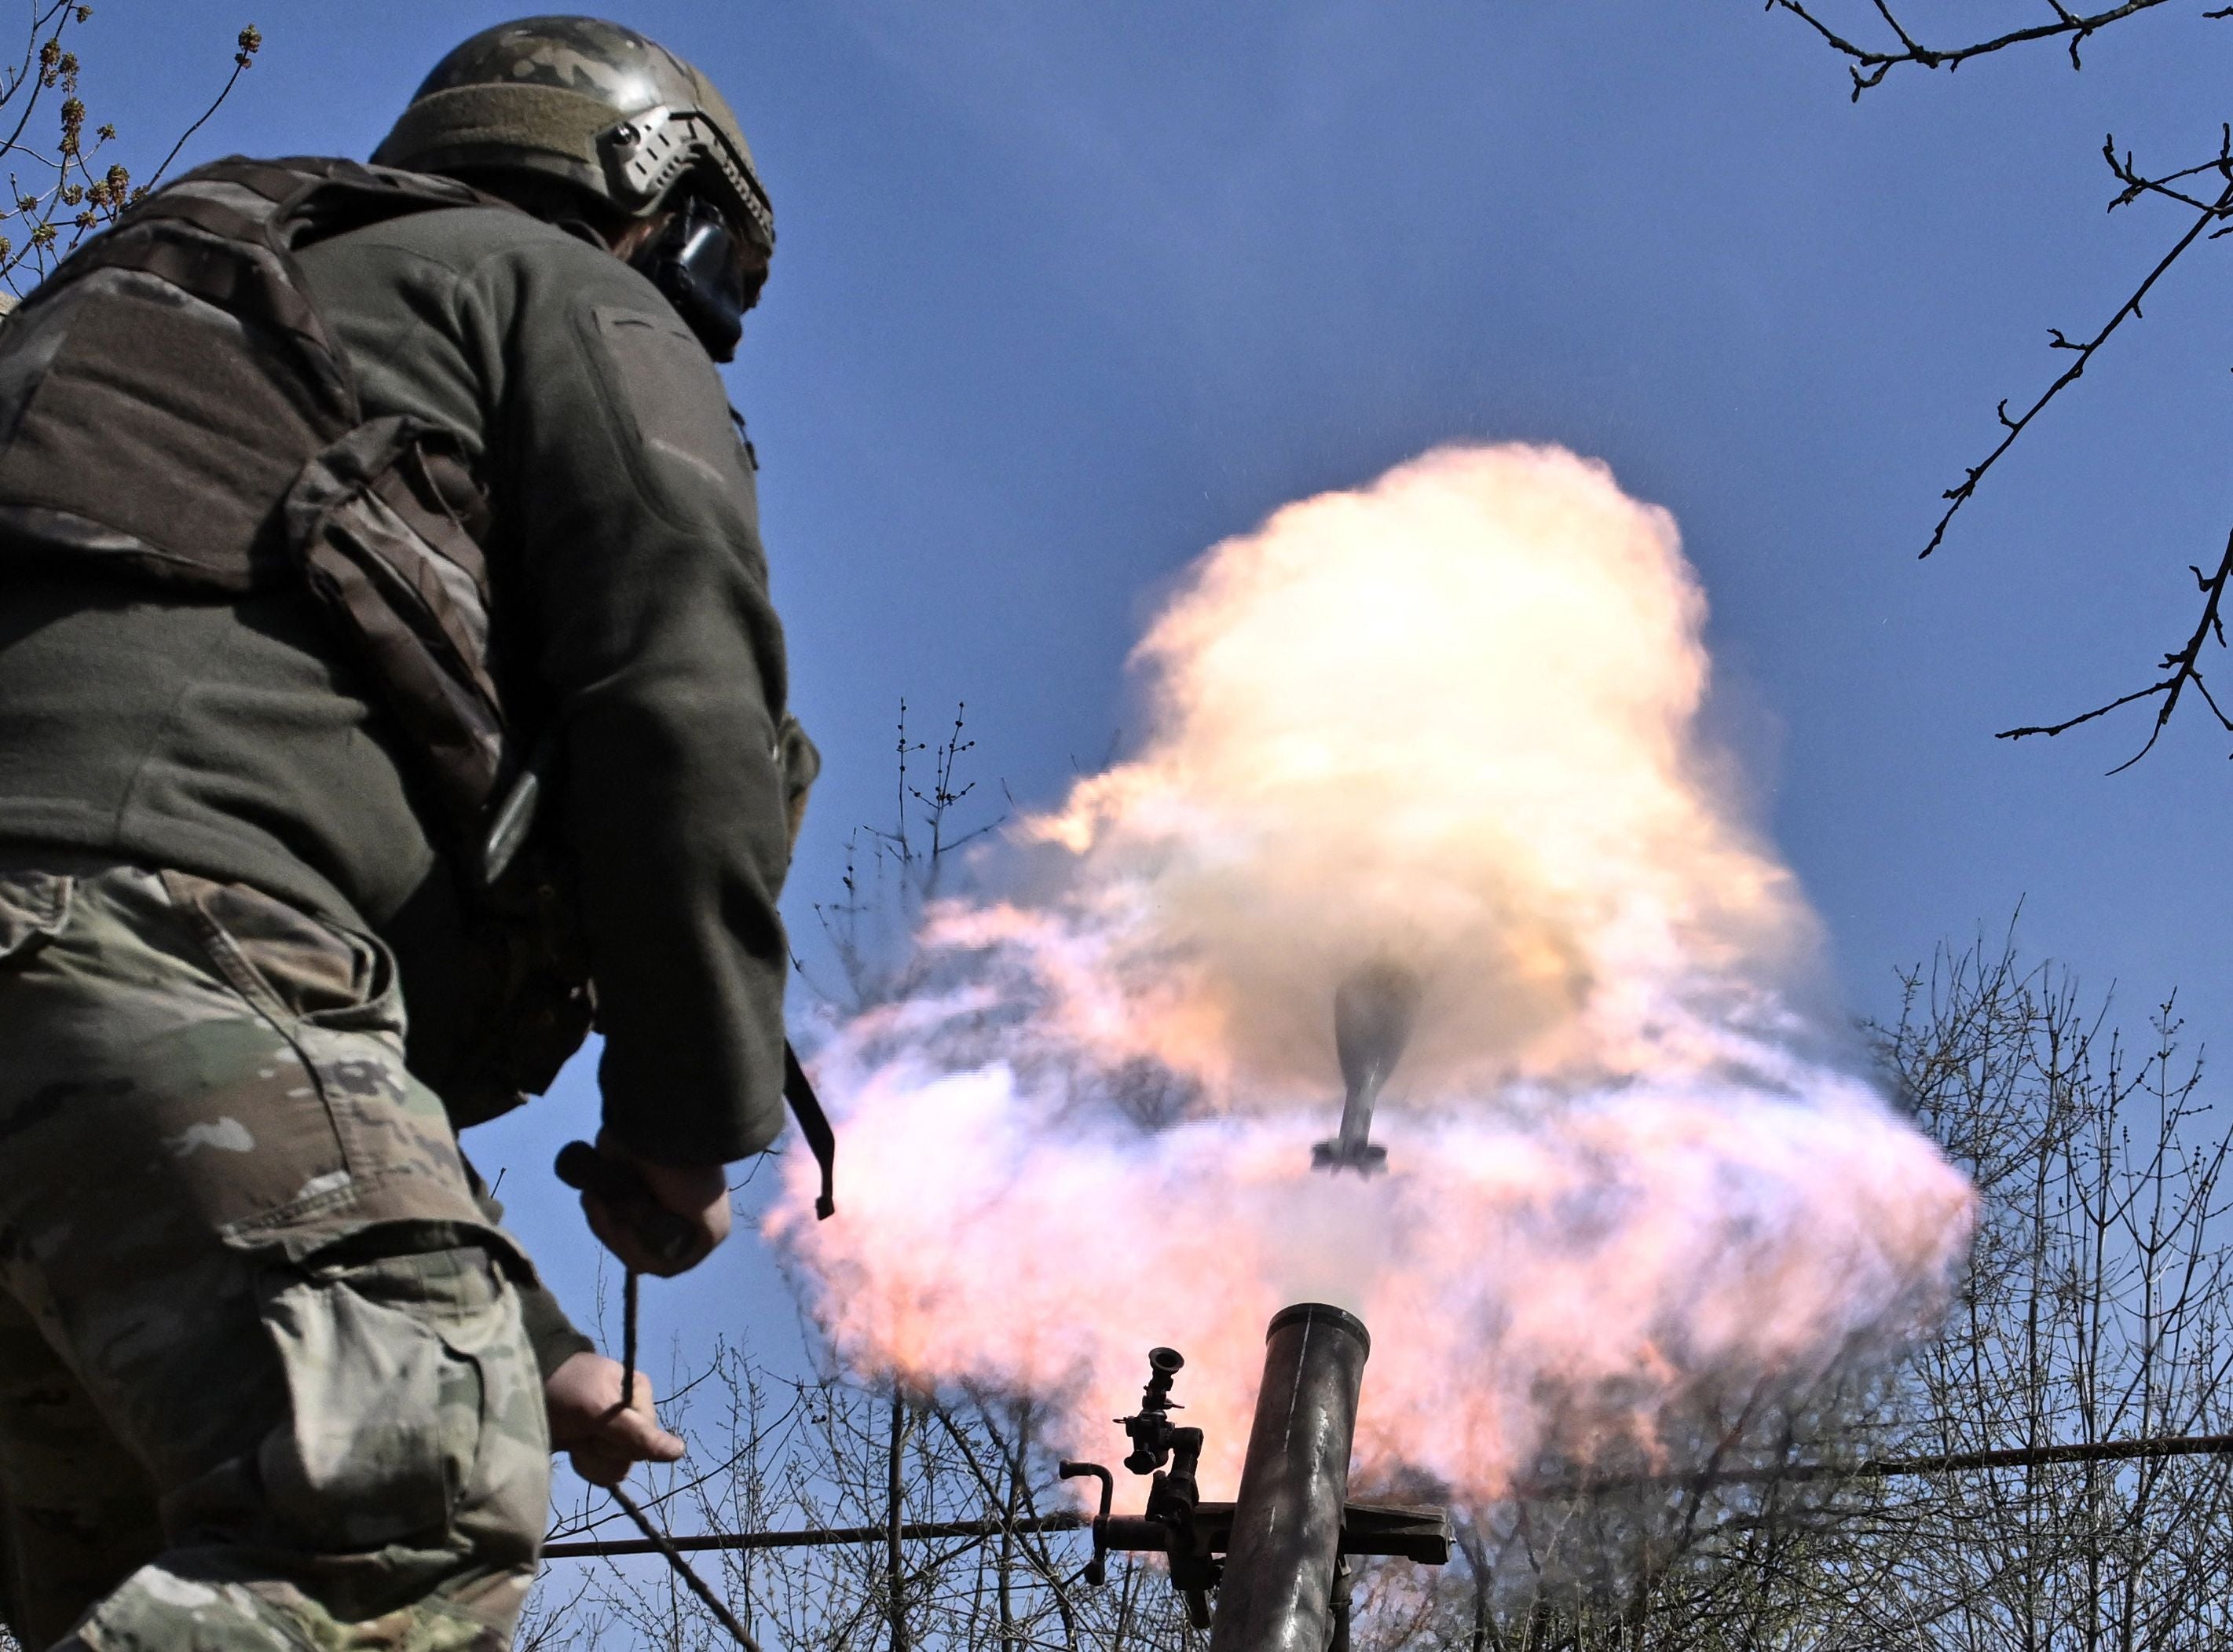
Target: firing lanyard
point(579, 1166)
point(644, 1523)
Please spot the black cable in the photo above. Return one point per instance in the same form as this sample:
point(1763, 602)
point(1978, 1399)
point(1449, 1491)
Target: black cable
point(696, 1585)
point(657, 1538)
point(628, 1340)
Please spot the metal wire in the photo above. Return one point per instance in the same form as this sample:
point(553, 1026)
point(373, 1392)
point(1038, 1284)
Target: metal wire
point(1886, 1468)
point(2105, 1451)
point(913, 1531)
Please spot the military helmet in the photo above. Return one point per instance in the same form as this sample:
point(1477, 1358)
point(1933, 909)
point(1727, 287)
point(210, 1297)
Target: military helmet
point(589, 102)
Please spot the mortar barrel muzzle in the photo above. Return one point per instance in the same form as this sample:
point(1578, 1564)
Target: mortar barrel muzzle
point(1278, 1591)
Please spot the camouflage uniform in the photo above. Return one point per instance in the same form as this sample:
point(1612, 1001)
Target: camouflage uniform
point(261, 1369)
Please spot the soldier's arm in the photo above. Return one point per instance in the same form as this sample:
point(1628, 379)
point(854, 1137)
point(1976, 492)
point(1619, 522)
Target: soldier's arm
point(661, 655)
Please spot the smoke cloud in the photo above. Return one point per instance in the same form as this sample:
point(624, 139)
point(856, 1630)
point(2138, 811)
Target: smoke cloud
point(1448, 721)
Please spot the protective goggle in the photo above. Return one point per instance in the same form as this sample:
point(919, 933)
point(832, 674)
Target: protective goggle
point(709, 275)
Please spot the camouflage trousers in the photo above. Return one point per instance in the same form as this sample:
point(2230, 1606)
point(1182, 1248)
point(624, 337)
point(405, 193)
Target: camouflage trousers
point(262, 1381)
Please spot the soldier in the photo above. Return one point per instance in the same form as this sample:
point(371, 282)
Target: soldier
point(384, 623)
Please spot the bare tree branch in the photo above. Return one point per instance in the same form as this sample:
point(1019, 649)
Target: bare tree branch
point(2083, 354)
point(1869, 65)
point(2182, 664)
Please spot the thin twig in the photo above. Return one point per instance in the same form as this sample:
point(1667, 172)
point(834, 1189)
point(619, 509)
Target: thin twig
point(251, 42)
point(2183, 665)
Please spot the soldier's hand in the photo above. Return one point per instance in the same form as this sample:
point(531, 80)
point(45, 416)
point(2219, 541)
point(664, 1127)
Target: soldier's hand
point(696, 1194)
point(584, 1398)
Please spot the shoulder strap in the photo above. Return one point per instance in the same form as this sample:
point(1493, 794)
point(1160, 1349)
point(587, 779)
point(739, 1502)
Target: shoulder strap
point(814, 1125)
point(161, 389)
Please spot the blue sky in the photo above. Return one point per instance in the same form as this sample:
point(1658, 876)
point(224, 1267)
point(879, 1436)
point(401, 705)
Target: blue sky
point(1065, 294)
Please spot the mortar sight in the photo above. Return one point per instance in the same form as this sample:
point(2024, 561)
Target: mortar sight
point(1151, 1431)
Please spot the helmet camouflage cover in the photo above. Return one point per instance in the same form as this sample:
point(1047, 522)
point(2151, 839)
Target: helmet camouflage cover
point(589, 101)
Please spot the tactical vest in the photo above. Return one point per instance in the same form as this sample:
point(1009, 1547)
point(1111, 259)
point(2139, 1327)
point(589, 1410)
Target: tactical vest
point(172, 404)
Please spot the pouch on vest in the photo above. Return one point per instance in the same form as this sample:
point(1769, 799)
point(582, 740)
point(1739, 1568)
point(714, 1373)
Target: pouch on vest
point(385, 524)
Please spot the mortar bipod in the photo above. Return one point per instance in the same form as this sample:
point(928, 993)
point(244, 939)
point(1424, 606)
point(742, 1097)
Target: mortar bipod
point(1284, 1595)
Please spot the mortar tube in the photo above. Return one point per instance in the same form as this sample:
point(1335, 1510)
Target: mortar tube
point(1278, 1591)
